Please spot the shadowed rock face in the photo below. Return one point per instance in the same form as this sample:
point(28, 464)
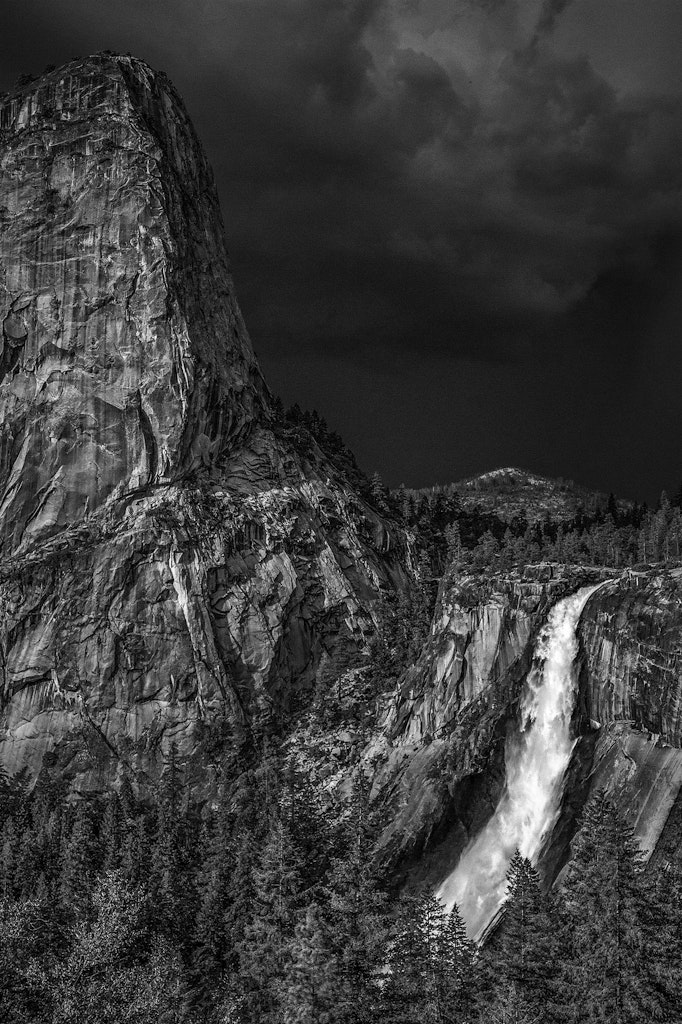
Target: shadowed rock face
point(124, 360)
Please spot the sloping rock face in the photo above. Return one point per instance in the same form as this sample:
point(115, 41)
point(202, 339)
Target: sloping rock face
point(194, 616)
point(174, 567)
point(440, 760)
point(631, 638)
point(124, 361)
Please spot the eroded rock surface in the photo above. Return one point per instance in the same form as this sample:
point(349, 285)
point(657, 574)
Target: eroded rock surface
point(173, 565)
point(124, 360)
point(441, 757)
point(188, 616)
point(632, 637)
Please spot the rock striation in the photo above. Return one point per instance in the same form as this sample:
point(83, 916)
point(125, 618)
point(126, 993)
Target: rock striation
point(440, 759)
point(631, 636)
point(124, 360)
point(175, 564)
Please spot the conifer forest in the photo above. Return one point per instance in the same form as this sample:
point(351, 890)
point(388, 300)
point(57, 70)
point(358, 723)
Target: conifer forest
point(116, 911)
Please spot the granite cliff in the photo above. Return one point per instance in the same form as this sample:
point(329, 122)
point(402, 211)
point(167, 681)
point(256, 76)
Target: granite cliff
point(124, 359)
point(440, 759)
point(174, 566)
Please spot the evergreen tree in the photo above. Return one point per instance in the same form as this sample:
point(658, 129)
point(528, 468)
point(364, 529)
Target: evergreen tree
point(78, 859)
point(605, 975)
point(660, 921)
point(135, 841)
point(457, 958)
point(431, 965)
point(356, 914)
point(522, 954)
point(168, 849)
point(110, 836)
point(310, 991)
point(211, 946)
point(276, 899)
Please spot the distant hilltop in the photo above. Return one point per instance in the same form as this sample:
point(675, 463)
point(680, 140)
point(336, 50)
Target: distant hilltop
point(509, 491)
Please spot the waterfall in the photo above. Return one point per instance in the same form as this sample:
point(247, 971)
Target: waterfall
point(537, 754)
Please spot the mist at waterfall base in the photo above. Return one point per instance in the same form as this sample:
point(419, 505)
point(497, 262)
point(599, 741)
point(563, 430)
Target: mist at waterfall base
point(537, 755)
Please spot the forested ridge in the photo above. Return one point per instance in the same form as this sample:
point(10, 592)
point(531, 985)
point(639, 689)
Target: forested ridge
point(266, 908)
point(463, 535)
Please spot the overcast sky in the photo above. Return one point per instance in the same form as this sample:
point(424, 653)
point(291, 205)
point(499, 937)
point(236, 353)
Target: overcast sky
point(455, 225)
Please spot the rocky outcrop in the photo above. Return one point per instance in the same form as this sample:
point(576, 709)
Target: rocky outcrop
point(191, 616)
point(440, 761)
point(174, 566)
point(124, 361)
point(631, 637)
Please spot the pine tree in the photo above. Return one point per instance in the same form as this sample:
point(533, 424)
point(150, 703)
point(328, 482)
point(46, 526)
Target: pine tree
point(276, 899)
point(167, 849)
point(605, 971)
point(378, 494)
point(135, 842)
point(211, 943)
point(10, 842)
point(110, 835)
point(403, 993)
point(660, 921)
point(457, 957)
point(522, 953)
point(422, 971)
point(357, 923)
point(78, 859)
point(310, 988)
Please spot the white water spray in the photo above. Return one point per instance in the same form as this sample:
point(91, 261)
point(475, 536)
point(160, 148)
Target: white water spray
point(537, 755)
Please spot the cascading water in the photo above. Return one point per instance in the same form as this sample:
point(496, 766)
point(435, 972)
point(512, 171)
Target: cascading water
point(537, 755)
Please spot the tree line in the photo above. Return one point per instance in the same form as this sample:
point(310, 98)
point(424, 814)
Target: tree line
point(471, 538)
point(265, 908)
point(450, 533)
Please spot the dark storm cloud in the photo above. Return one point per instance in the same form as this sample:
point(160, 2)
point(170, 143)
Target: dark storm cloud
point(550, 11)
point(432, 182)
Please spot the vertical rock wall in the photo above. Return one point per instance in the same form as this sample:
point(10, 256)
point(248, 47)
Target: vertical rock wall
point(172, 568)
point(124, 360)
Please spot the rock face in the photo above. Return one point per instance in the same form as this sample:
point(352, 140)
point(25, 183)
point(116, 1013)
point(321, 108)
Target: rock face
point(631, 635)
point(174, 567)
point(124, 361)
point(441, 757)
